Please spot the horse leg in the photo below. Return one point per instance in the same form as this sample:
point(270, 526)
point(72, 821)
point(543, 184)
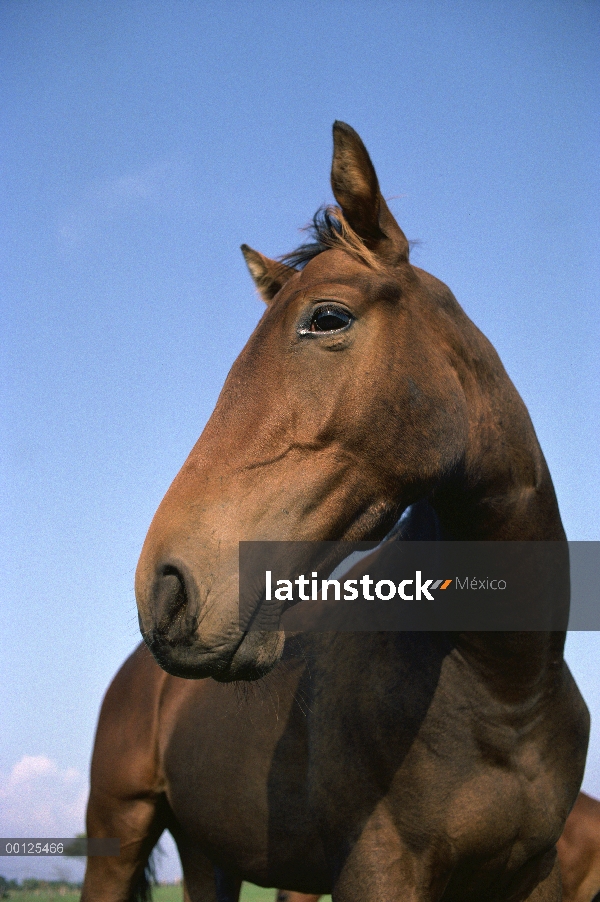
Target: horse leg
point(127, 799)
point(549, 889)
point(203, 882)
point(381, 866)
point(138, 824)
point(285, 895)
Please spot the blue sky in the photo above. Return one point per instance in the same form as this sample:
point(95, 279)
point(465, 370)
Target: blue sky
point(142, 144)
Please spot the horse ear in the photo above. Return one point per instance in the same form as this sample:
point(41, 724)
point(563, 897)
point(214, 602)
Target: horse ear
point(356, 189)
point(269, 275)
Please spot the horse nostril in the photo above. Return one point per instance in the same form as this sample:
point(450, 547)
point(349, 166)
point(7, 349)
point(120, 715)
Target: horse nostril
point(170, 598)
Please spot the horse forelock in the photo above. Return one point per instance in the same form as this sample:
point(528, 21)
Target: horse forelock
point(330, 229)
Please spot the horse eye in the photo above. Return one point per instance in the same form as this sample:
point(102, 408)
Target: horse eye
point(329, 319)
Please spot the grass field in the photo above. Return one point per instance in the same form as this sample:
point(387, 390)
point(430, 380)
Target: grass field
point(43, 896)
point(250, 893)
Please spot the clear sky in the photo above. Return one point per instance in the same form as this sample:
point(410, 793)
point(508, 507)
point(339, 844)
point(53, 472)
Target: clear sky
point(143, 142)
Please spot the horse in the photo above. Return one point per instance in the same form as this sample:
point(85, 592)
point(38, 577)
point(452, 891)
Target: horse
point(432, 766)
point(579, 852)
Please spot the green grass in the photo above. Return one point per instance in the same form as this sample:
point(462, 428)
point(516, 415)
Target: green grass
point(250, 893)
point(167, 894)
point(42, 896)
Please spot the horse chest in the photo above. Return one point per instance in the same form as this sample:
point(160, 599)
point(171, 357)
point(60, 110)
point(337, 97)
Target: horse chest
point(447, 760)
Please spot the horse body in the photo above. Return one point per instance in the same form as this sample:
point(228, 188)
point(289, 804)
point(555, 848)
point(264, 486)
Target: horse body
point(425, 766)
point(228, 773)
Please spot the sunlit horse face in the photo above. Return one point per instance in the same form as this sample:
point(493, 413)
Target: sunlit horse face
point(343, 408)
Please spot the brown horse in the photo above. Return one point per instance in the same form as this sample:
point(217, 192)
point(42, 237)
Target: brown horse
point(579, 852)
point(421, 766)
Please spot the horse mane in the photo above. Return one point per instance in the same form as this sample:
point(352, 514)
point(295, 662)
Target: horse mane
point(330, 229)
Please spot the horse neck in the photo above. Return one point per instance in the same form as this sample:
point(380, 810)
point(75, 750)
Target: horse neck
point(502, 491)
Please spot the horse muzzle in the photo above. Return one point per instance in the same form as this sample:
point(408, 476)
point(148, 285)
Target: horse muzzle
point(189, 639)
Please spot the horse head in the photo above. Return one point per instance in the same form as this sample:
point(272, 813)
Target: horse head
point(363, 389)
